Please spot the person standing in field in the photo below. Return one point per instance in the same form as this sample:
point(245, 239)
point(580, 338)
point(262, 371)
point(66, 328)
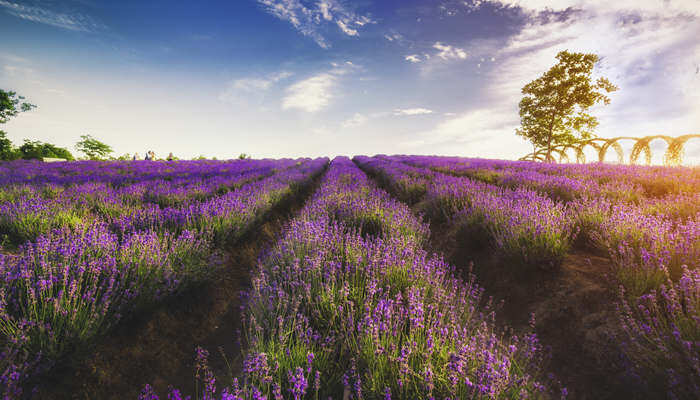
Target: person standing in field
point(171, 156)
point(136, 157)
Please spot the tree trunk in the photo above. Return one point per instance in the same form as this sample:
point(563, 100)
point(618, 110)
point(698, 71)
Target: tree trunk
point(550, 138)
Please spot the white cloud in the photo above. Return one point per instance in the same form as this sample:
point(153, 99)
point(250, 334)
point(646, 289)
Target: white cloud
point(393, 36)
point(447, 52)
point(316, 93)
point(244, 89)
point(309, 20)
point(652, 58)
point(443, 53)
point(412, 111)
point(657, 7)
point(356, 120)
point(471, 127)
point(651, 54)
point(414, 58)
point(347, 30)
point(70, 21)
point(312, 94)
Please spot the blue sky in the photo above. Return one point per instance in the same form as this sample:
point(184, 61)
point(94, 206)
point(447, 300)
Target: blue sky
point(280, 78)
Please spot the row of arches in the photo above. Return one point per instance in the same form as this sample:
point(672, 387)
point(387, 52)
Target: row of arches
point(673, 155)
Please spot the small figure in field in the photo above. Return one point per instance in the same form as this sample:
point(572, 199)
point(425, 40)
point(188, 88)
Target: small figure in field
point(150, 155)
point(136, 157)
point(171, 156)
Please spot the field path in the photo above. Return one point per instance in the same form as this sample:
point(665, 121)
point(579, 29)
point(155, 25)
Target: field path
point(573, 307)
point(158, 347)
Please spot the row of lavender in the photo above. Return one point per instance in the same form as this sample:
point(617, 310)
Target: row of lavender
point(672, 192)
point(623, 181)
point(348, 305)
point(62, 197)
point(655, 256)
point(70, 283)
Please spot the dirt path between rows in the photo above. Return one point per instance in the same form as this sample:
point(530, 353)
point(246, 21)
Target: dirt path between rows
point(158, 347)
point(574, 308)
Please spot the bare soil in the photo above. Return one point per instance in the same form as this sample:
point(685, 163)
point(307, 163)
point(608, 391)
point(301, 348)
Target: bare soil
point(158, 347)
point(574, 309)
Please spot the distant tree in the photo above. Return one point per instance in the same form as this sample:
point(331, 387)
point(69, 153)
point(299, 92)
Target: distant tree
point(7, 149)
point(93, 148)
point(554, 108)
point(123, 157)
point(199, 157)
point(244, 156)
point(36, 150)
point(10, 106)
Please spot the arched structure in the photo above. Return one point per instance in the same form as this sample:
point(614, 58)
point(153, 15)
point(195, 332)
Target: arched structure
point(673, 155)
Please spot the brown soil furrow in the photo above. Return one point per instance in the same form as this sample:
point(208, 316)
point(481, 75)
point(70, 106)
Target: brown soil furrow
point(158, 347)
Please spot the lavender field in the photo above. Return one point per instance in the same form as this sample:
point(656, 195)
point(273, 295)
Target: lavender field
point(405, 277)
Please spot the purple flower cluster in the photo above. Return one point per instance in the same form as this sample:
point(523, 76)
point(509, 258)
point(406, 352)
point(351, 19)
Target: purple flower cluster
point(348, 309)
point(73, 282)
point(647, 220)
point(523, 225)
point(661, 337)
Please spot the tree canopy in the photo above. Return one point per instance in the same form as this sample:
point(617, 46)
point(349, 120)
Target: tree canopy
point(93, 148)
point(554, 108)
point(11, 105)
point(36, 150)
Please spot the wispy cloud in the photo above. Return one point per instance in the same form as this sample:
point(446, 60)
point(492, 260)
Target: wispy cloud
point(447, 52)
point(356, 120)
point(312, 94)
point(309, 20)
point(657, 93)
point(666, 7)
point(472, 126)
point(441, 53)
point(414, 58)
point(244, 90)
point(71, 21)
point(393, 36)
point(316, 93)
point(412, 111)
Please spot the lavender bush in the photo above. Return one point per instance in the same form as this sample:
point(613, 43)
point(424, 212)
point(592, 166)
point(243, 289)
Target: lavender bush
point(337, 311)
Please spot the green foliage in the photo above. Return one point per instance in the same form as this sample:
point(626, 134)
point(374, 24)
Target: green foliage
point(554, 108)
point(123, 157)
point(7, 149)
point(36, 150)
point(11, 105)
point(93, 148)
point(244, 156)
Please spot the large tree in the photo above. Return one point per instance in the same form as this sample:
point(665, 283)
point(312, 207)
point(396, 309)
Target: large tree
point(10, 106)
point(554, 108)
point(93, 148)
